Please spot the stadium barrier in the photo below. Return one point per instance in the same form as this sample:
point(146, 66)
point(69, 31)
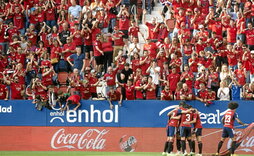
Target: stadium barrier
point(136, 126)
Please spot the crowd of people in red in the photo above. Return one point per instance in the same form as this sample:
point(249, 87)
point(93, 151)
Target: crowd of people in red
point(203, 49)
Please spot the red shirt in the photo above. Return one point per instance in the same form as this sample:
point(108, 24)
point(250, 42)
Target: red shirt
point(133, 31)
point(54, 53)
point(40, 91)
point(231, 34)
point(124, 23)
point(188, 77)
point(50, 14)
point(70, 46)
point(16, 89)
point(198, 123)
point(111, 78)
point(150, 92)
point(186, 92)
point(99, 45)
point(78, 38)
point(232, 58)
point(88, 38)
point(229, 119)
point(135, 64)
point(174, 122)
point(194, 65)
point(145, 65)
point(92, 80)
point(74, 98)
point(119, 40)
point(18, 20)
point(152, 48)
point(139, 94)
point(173, 79)
point(115, 96)
point(151, 33)
point(186, 117)
point(107, 46)
point(249, 36)
point(129, 91)
point(3, 90)
point(85, 92)
point(239, 73)
point(166, 95)
point(203, 94)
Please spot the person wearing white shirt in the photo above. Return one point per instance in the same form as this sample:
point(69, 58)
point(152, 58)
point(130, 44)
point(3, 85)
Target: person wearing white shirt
point(223, 92)
point(75, 10)
point(134, 47)
point(154, 72)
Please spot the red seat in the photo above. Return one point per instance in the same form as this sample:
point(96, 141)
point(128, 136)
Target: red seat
point(62, 77)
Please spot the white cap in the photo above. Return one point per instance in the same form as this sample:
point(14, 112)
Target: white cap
point(200, 26)
point(252, 52)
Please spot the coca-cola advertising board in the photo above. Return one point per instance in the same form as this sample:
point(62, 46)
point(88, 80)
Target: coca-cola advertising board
point(103, 139)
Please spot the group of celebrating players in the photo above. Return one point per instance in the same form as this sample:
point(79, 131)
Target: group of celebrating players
point(179, 127)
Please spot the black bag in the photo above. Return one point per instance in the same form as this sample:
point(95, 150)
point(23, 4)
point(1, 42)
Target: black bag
point(113, 10)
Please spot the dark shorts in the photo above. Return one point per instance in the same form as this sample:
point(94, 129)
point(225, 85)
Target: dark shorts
point(185, 132)
point(171, 131)
point(197, 131)
point(88, 48)
point(125, 33)
point(98, 60)
point(227, 132)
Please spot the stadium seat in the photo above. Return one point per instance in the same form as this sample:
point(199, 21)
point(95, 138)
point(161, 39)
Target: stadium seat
point(62, 77)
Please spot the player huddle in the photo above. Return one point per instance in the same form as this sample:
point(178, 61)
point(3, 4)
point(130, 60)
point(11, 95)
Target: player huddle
point(184, 124)
point(179, 127)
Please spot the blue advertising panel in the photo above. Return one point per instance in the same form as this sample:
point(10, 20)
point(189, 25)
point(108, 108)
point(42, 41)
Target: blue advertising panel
point(142, 113)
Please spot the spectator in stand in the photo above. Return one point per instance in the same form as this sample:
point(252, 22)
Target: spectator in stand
point(213, 79)
point(50, 9)
point(223, 92)
point(202, 94)
point(117, 37)
point(154, 72)
point(225, 74)
point(107, 47)
point(201, 77)
point(127, 72)
point(187, 76)
point(173, 78)
point(4, 93)
point(129, 89)
point(73, 100)
point(124, 21)
point(135, 62)
point(186, 93)
point(152, 34)
point(145, 61)
point(74, 10)
point(3, 42)
point(110, 77)
point(139, 87)
point(235, 90)
point(248, 91)
point(78, 60)
point(134, 47)
point(179, 87)
point(40, 92)
point(249, 33)
point(114, 95)
point(98, 53)
point(64, 34)
point(150, 89)
point(240, 75)
point(166, 94)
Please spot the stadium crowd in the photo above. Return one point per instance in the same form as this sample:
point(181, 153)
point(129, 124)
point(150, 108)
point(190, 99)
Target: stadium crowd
point(203, 49)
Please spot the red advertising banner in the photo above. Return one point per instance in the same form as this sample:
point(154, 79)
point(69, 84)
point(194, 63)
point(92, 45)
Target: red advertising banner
point(103, 139)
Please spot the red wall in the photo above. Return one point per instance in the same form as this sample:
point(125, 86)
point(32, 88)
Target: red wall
point(101, 139)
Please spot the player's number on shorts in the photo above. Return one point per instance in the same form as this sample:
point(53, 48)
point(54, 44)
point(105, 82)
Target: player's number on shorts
point(187, 117)
point(227, 118)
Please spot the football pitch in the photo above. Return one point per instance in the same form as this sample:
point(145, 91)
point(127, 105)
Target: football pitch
point(71, 153)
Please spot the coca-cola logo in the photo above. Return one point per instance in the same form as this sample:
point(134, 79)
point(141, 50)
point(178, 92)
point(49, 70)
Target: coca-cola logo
point(89, 139)
point(246, 145)
point(128, 144)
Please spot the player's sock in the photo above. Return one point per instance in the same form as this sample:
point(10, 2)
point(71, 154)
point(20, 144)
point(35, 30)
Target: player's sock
point(183, 144)
point(200, 146)
point(166, 146)
point(190, 145)
point(178, 144)
point(170, 147)
point(219, 146)
point(233, 147)
point(193, 146)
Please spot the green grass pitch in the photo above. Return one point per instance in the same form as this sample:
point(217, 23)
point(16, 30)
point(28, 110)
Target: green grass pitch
point(71, 153)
